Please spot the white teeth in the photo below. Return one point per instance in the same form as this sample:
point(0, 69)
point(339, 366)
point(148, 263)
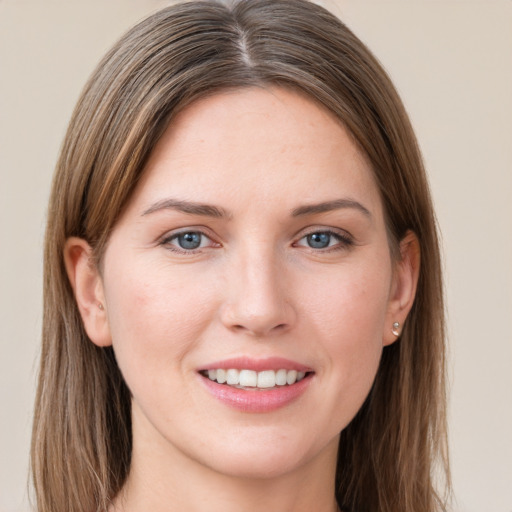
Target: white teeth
point(291, 377)
point(251, 379)
point(248, 378)
point(232, 377)
point(281, 377)
point(267, 379)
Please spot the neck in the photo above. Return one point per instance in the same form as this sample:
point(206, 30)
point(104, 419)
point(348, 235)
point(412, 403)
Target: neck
point(164, 479)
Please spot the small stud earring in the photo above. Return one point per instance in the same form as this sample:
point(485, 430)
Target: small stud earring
point(395, 328)
point(100, 306)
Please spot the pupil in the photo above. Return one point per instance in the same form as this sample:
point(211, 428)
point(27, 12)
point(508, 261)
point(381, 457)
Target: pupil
point(319, 240)
point(189, 240)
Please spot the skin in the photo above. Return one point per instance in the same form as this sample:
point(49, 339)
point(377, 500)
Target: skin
point(254, 288)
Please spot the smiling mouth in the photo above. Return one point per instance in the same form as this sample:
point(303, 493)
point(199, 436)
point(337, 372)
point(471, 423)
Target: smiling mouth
point(253, 380)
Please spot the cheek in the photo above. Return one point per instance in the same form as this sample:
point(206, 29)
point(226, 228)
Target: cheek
point(349, 320)
point(351, 304)
point(156, 317)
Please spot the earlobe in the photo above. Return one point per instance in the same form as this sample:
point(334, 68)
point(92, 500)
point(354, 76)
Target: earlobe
point(403, 289)
point(85, 279)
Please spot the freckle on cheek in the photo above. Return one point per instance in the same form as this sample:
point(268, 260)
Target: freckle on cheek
point(141, 300)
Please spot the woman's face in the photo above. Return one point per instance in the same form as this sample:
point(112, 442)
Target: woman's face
point(255, 242)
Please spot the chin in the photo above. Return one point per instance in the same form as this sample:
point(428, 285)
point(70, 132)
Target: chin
point(267, 455)
point(270, 463)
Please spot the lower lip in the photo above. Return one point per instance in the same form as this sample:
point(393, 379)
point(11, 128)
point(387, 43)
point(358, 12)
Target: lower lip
point(256, 400)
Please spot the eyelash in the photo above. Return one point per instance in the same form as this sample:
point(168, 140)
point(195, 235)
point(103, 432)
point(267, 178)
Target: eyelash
point(344, 241)
point(167, 241)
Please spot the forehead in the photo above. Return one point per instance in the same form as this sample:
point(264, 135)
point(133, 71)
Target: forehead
point(274, 143)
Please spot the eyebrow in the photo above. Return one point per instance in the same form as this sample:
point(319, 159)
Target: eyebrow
point(328, 206)
point(190, 207)
point(209, 210)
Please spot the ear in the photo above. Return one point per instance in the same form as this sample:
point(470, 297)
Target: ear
point(403, 287)
point(87, 285)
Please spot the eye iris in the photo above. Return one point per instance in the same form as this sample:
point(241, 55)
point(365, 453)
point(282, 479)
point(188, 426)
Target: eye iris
point(319, 240)
point(189, 240)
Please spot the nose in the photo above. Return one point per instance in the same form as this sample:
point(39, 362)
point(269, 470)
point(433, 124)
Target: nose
point(257, 298)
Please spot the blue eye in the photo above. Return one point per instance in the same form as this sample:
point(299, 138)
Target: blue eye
point(319, 240)
point(190, 240)
point(187, 241)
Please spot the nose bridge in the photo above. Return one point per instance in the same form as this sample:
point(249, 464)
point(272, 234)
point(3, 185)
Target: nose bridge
point(256, 299)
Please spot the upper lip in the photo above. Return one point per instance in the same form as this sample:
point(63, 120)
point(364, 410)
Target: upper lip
point(257, 364)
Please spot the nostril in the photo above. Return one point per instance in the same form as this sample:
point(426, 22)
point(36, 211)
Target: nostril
point(257, 315)
point(259, 331)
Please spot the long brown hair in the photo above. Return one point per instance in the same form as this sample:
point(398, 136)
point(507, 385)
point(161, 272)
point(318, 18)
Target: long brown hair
point(395, 448)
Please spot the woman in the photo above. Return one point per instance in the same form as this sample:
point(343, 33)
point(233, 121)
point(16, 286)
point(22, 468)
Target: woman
point(243, 301)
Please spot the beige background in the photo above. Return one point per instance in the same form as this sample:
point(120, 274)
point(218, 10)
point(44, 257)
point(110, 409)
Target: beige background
point(452, 62)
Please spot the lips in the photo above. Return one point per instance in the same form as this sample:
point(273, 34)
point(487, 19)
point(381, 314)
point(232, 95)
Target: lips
point(256, 385)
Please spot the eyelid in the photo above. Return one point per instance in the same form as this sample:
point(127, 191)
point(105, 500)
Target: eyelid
point(324, 229)
point(345, 238)
point(169, 236)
